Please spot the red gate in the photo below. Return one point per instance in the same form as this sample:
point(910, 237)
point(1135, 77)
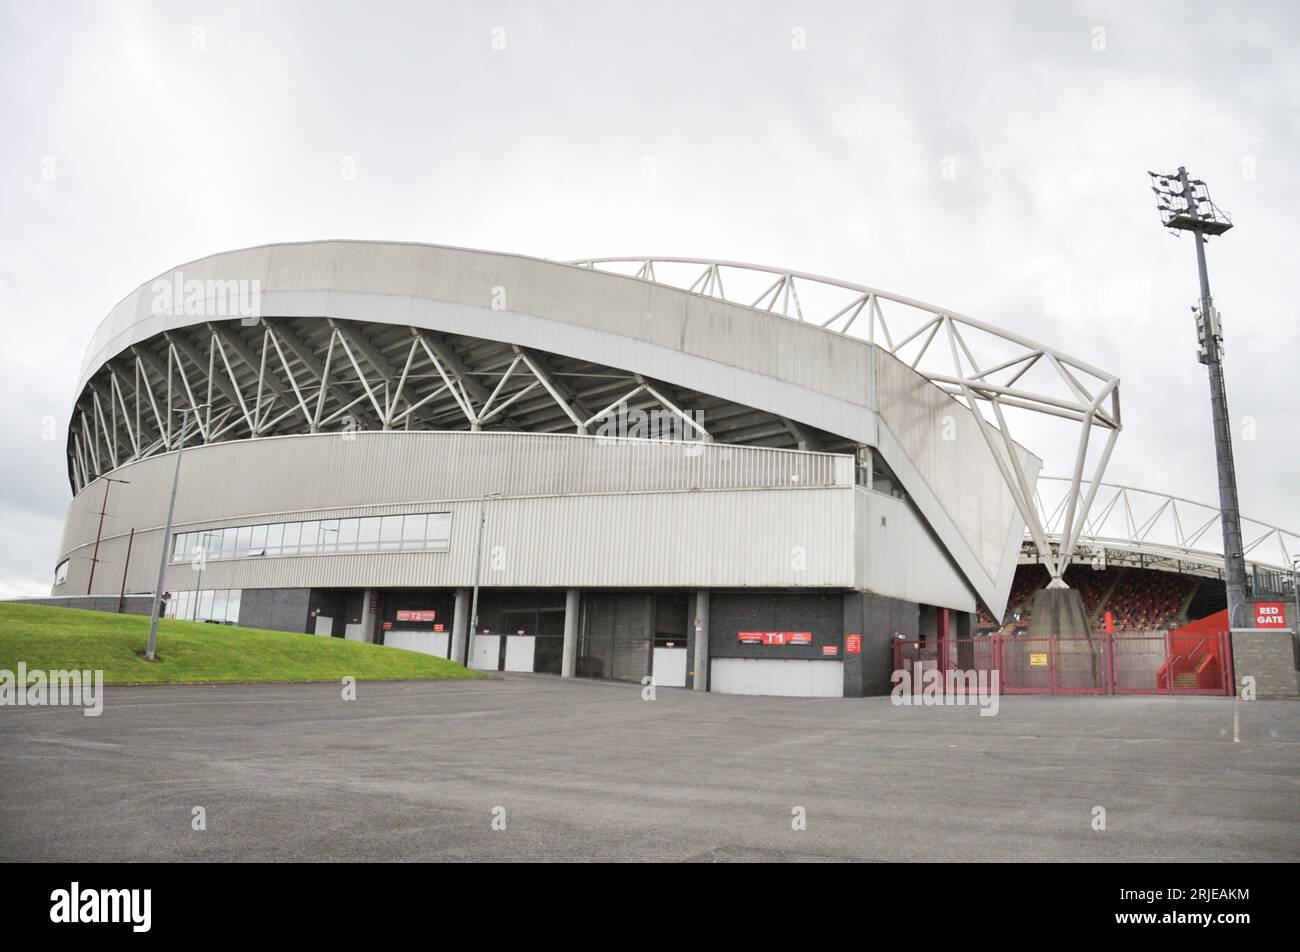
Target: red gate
point(1178, 662)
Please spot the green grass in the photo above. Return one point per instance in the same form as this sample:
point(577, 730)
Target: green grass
point(68, 638)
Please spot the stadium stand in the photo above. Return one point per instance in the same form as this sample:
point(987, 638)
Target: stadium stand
point(1138, 599)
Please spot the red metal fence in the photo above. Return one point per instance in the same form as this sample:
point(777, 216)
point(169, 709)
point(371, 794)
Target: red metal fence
point(1178, 662)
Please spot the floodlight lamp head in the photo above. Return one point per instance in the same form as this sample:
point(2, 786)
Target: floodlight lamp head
point(1184, 204)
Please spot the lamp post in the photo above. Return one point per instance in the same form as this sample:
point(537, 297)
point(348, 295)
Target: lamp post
point(152, 647)
point(478, 568)
point(1184, 205)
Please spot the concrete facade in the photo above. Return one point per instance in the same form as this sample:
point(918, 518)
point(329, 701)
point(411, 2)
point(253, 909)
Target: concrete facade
point(1268, 657)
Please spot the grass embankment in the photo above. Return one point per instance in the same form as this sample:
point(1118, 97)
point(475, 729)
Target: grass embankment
point(48, 638)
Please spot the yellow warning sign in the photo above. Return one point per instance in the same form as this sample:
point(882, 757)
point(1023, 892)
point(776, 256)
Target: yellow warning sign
point(1038, 659)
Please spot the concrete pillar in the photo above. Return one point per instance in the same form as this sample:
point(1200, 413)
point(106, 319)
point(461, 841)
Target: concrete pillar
point(569, 657)
point(701, 660)
point(460, 625)
point(369, 614)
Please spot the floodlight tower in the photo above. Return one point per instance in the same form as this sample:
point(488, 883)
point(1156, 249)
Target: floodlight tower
point(1184, 205)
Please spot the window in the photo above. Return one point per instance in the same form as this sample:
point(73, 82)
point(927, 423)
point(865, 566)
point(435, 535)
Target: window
point(61, 572)
point(310, 539)
point(329, 535)
point(207, 545)
point(438, 532)
point(413, 532)
point(368, 534)
point(416, 532)
point(348, 535)
point(221, 605)
point(390, 533)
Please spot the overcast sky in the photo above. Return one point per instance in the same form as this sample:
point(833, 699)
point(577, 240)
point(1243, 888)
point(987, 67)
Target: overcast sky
point(986, 157)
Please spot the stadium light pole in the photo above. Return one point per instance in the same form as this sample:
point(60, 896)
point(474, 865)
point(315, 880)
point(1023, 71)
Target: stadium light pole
point(478, 567)
point(1184, 205)
point(152, 647)
point(1295, 592)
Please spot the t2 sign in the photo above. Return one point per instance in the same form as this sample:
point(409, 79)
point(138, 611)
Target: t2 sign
point(1270, 614)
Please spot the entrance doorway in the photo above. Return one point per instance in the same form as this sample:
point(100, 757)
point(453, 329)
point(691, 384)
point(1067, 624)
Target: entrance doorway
point(625, 636)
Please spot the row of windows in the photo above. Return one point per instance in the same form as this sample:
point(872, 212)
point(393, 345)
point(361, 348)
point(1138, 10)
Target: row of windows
point(425, 531)
point(221, 605)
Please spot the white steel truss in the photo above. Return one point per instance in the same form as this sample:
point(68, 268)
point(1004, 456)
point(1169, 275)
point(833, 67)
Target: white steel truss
point(307, 375)
point(989, 369)
point(1165, 526)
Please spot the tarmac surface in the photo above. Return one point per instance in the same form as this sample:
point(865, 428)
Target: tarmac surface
point(588, 770)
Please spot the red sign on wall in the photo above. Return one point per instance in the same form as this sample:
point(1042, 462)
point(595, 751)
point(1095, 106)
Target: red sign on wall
point(1270, 614)
point(853, 644)
point(830, 649)
point(416, 615)
point(775, 637)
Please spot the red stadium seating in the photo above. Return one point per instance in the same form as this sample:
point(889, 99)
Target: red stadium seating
point(1138, 599)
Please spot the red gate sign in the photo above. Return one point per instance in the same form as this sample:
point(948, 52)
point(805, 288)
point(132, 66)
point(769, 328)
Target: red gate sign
point(1270, 614)
point(416, 615)
point(774, 637)
point(830, 649)
point(853, 644)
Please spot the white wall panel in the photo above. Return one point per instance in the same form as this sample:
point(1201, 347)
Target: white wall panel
point(669, 667)
point(425, 642)
point(519, 652)
point(775, 677)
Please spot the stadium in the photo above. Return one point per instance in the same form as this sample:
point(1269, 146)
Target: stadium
point(724, 476)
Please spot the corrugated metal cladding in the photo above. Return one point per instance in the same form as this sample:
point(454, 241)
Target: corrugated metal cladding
point(578, 511)
point(898, 554)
